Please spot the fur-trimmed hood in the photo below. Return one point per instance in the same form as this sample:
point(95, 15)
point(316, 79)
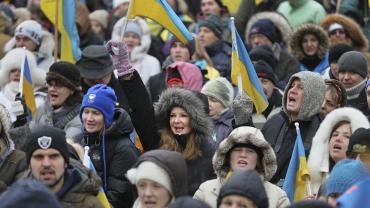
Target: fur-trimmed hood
point(244, 135)
point(14, 59)
point(357, 40)
point(201, 124)
point(45, 49)
point(284, 30)
point(295, 43)
point(318, 161)
point(5, 120)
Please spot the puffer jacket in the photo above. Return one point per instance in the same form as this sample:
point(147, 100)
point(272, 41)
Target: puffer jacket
point(318, 161)
point(209, 190)
point(112, 154)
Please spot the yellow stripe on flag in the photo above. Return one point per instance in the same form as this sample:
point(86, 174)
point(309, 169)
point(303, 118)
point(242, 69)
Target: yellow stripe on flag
point(300, 180)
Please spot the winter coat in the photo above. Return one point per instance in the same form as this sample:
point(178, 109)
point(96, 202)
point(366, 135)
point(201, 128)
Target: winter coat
point(209, 190)
point(280, 130)
point(156, 84)
point(44, 53)
point(357, 97)
point(306, 11)
point(223, 125)
point(356, 37)
point(220, 54)
point(65, 117)
point(318, 161)
point(199, 169)
point(112, 154)
point(317, 63)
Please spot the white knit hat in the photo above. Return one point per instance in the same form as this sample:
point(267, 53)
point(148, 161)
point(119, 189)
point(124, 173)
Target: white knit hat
point(116, 3)
point(221, 89)
point(30, 29)
point(100, 16)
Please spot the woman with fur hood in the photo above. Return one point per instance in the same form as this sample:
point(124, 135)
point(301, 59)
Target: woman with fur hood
point(10, 76)
point(310, 45)
point(330, 143)
point(244, 149)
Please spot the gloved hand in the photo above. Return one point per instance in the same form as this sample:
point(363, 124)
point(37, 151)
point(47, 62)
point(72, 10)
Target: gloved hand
point(119, 53)
point(20, 110)
point(242, 106)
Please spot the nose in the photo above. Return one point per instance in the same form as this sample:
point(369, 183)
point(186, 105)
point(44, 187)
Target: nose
point(46, 162)
point(148, 191)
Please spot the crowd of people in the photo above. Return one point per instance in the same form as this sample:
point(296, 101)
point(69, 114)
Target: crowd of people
point(161, 122)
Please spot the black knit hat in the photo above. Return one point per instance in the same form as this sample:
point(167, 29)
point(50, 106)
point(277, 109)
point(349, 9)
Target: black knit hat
point(264, 27)
point(353, 61)
point(263, 52)
point(359, 142)
point(65, 73)
point(214, 23)
point(247, 184)
point(264, 70)
point(47, 137)
point(337, 50)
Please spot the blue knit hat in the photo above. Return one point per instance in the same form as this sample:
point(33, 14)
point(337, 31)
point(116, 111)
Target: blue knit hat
point(345, 174)
point(102, 98)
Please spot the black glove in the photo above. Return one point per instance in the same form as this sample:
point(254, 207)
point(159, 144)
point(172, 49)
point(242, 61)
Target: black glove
point(21, 117)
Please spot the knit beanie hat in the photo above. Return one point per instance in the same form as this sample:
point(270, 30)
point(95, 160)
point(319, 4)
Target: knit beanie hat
point(187, 201)
point(150, 170)
point(214, 23)
point(264, 27)
point(246, 184)
point(263, 52)
point(66, 73)
point(47, 137)
point(264, 70)
point(30, 29)
point(353, 61)
point(100, 16)
point(116, 3)
point(103, 98)
point(167, 46)
point(359, 142)
point(345, 174)
point(221, 89)
point(134, 27)
point(337, 50)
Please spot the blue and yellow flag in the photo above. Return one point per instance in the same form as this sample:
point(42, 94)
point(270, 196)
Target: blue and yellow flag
point(161, 12)
point(27, 89)
point(88, 163)
point(242, 65)
point(295, 183)
point(70, 41)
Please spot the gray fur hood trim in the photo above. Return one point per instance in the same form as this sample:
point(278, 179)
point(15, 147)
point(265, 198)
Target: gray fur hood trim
point(200, 122)
point(295, 44)
point(244, 135)
point(314, 93)
point(279, 21)
point(318, 161)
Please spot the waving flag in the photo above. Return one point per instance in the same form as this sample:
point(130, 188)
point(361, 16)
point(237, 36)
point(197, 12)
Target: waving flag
point(161, 12)
point(88, 163)
point(295, 183)
point(242, 67)
point(27, 89)
point(66, 15)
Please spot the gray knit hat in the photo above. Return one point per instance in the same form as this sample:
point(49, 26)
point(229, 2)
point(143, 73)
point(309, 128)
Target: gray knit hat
point(214, 23)
point(221, 89)
point(134, 27)
point(353, 61)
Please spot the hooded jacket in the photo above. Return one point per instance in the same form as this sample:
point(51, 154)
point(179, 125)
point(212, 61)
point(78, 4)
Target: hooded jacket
point(280, 130)
point(320, 61)
point(318, 161)
point(199, 169)
point(115, 146)
point(356, 37)
point(190, 75)
point(209, 190)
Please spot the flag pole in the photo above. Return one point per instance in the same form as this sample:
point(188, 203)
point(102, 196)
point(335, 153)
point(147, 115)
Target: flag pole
point(56, 31)
point(233, 36)
point(22, 73)
point(125, 20)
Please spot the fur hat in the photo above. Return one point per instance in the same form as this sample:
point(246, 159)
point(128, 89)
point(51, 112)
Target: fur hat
point(221, 89)
point(14, 59)
point(103, 98)
point(264, 27)
point(66, 73)
point(244, 135)
point(353, 61)
point(47, 137)
point(214, 23)
point(100, 16)
point(30, 29)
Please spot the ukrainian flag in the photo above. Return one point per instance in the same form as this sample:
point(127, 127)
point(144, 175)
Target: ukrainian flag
point(295, 183)
point(161, 12)
point(242, 65)
point(27, 89)
point(70, 41)
point(88, 163)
